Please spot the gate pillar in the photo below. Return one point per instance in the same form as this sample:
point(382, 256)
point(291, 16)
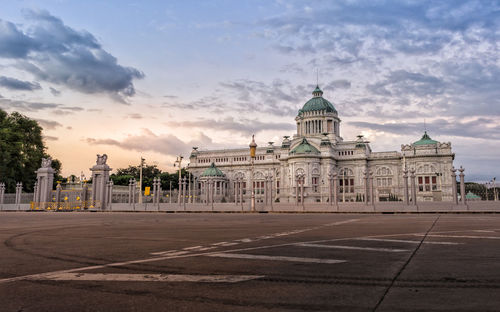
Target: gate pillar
point(44, 182)
point(100, 178)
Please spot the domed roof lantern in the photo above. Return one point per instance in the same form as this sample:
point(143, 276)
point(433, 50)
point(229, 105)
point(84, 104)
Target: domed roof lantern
point(317, 92)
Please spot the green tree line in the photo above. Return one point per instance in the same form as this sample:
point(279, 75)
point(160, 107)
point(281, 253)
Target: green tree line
point(149, 172)
point(21, 151)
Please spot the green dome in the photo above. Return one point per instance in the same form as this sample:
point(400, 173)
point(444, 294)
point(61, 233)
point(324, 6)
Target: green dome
point(304, 148)
point(212, 171)
point(318, 103)
point(426, 139)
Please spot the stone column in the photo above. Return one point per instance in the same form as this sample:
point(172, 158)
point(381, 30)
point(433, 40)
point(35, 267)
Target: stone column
point(372, 198)
point(265, 190)
point(159, 191)
point(235, 192)
point(184, 190)
point(302, 197)
point(206, 192)
point(195, 195)
point(297, 190)
point(83, 195)
point(45, 180)
point(19, 190)
point(134, 190)
point(367, 186)
point(330, 188)
point(2, 194)
point(335, 188)
point(109, 196)
point(35, 190)
point(58, 195)
point(241, 193)
point(454, 185)
point(130, 185)
point(413, 187)
point(463, 199)
point(211, 187)
point(190, 198)
point(271, 191)
point(405, 183)
point(100, 178)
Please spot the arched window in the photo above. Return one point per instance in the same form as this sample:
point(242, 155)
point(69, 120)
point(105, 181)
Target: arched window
point(346, 178)
point(384, 177)
point(427, 178)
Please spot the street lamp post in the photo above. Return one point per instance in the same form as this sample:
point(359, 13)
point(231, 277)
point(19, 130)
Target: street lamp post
point(253, 149)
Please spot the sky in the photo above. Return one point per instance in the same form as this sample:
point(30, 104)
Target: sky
point(155, 78)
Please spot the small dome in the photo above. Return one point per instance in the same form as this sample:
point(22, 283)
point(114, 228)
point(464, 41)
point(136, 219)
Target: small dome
point(425, 140)
point(318, 103)
point(304, 148)
point(212, 171)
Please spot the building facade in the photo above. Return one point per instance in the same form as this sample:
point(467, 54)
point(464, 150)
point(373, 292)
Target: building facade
point(314, 153)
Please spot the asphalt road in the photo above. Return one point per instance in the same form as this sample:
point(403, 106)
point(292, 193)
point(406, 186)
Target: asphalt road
point(249, 262)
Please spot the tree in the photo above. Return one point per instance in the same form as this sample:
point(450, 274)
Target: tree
point(21, 151)
point(149, 172)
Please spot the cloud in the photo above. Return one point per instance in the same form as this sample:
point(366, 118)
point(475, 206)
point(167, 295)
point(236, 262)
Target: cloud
point(166, 144)
point(54, 92)
point(480, 128)
point(244, 126)
point(15, 84)
point(26, 106)
point(48, 124)
point(134, 116)
point(403, 83)
point(50, 138)
point(278, 98)
point(56, 53)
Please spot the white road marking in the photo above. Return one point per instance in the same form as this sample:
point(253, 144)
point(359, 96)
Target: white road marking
point(351, 247)
point(405, 241)
point(113, 277)
point(219, 244)
point(459, 236)
point(244, 240)
point(192, 248)
point(229, 244)
point(162, 252)
point(168, 257)
point(484, 231)
point(205, 248)
point(274, 258)
point(177, 253)
point(343, 222)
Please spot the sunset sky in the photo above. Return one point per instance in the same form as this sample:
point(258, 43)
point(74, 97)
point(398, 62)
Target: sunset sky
point(154, 78)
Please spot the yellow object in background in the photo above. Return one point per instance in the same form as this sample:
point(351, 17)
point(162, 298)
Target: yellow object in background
point(147, 190)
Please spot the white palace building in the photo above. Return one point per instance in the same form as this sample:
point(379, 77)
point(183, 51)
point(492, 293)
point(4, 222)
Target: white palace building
point(317, 152)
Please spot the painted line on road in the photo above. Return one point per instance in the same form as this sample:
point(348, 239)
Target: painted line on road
point(351, 247)
point(219, 244)
point(405, 241)
point(229, 244)
point(169, 257)
point(113, 277)
point(274, 258)
point(460, 236)
point(192, 248)
point(484, 231)
point(175, 253)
